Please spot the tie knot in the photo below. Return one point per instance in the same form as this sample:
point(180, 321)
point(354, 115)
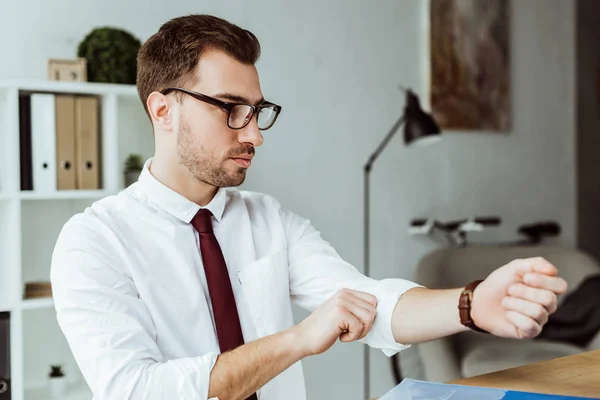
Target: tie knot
point(202, 221)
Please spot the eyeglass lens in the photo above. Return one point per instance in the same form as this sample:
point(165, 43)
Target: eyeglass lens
point(241, 114)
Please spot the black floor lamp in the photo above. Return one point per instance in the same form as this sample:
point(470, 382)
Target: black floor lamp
point(419, 129)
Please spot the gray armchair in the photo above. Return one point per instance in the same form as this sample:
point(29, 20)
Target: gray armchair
point(469, 353)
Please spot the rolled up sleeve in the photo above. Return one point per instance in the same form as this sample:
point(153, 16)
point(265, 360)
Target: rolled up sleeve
point(109, 329)
point(317, 272)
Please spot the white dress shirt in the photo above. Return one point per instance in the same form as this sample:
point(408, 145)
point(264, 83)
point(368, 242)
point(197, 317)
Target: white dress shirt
point(132, 300)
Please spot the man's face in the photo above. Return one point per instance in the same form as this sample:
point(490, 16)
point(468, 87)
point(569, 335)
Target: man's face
point(211, 151)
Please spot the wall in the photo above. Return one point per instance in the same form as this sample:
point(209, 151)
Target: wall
point(588, 125)
point(335, 66)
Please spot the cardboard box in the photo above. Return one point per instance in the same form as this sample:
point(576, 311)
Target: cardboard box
point(74, 70)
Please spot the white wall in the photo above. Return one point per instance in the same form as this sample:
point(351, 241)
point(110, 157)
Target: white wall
point(334, 66)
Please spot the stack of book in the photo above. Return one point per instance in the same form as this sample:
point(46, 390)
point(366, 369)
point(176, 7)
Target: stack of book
point(59, 142)
point(34, 290)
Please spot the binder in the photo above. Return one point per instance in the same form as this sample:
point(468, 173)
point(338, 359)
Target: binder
point(87, 143)
point(43, 142)
point(65, 142)
point(25, 142)
point(5, 385)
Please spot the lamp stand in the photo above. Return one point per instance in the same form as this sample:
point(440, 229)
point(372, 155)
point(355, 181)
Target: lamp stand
point(367, 174)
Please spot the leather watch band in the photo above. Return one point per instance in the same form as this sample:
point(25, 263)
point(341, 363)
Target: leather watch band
point(464, 306)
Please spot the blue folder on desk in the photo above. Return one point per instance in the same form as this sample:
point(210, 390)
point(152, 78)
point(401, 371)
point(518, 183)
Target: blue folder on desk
point(411, 389)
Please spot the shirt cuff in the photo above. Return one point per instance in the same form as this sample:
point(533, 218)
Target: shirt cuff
point(198, 370)
point(381, 336)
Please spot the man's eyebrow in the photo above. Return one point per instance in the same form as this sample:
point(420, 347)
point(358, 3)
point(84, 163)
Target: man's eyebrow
point(237, 99)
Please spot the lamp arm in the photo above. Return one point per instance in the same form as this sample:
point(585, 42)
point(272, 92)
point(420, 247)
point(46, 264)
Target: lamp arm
point(383, 144)
point(367, 175)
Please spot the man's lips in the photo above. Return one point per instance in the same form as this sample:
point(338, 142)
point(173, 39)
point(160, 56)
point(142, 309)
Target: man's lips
point(243, 161)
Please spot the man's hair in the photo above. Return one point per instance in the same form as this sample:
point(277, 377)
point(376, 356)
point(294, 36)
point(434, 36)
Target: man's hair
point(169, 57)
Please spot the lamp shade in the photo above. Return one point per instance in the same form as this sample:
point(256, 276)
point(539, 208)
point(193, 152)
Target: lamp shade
point(419, 127)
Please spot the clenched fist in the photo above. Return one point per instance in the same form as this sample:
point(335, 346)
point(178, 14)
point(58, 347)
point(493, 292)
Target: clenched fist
point(515, 300)
point(348, 315)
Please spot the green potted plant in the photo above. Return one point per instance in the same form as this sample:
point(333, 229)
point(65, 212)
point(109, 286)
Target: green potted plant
point(111, 55)
point(56, 382)
point(133, 167)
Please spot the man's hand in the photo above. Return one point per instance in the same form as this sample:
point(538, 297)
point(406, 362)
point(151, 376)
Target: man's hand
point(348, 315)
point(515, 300)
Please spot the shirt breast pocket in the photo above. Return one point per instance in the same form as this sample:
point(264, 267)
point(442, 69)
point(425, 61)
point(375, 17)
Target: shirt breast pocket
point(265, 283)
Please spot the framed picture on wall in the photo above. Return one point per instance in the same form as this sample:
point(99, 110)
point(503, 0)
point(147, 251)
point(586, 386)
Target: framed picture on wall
point(469, 60)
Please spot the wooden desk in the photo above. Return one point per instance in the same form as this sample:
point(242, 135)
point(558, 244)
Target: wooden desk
point(577, 375)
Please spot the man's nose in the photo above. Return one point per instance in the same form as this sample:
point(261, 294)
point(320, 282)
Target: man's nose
point(251, 134)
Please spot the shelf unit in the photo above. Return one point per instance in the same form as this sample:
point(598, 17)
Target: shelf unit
point(66, 195)
point(30, 222)
point(36, 304)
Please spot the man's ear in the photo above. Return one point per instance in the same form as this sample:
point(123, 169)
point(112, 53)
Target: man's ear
point(159, 108)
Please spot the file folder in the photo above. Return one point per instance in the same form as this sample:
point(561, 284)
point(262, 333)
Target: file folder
point(25, 142)
point(43, 142)
point(410, 389)
point(87, 143)
point(65, 143)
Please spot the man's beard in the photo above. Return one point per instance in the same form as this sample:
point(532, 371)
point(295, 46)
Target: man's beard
point(204, 166)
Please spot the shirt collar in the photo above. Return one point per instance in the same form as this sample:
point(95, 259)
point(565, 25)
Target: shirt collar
point(173, 202)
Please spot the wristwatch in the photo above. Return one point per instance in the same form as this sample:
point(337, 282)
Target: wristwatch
point(464, 306)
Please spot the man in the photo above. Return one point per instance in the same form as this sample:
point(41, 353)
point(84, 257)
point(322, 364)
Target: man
point(180, 287)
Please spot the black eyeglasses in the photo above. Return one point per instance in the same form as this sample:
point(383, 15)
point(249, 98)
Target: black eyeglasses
point(238, 115)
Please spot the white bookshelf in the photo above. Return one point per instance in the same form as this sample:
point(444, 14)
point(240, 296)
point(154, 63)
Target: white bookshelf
point(30, 222)
point(36, 304)
point(66, 195)
point(105, 89)
point(75, 391)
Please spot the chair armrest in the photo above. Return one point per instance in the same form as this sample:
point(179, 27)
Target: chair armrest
point(594, 344)
point(440, 361)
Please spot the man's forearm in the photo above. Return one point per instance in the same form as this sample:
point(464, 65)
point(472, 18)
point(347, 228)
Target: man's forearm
point(241, 372)
point(425, 314)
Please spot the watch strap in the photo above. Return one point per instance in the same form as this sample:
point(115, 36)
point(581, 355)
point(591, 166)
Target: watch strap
point(464, 306)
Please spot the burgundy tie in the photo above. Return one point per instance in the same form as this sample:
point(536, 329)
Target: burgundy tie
point(227, 320)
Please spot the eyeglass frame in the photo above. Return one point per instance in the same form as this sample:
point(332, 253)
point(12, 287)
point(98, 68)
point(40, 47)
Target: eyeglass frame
point(227, 106)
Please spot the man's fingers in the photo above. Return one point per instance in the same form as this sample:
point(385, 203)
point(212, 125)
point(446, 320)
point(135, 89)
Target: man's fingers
point(362, 305)
point(539, 273)
point(543, 266)
point(541, 281)
point(352, 327)
point(355, 312)
point(360, 309)
point(537, 264)
point(530, 309)
point(546, 298)
point(350, 298)
point(526, 327)
point(364, 312)
point(369, 298)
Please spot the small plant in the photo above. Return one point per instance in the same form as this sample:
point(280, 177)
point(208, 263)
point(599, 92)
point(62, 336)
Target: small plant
point(111, 55)
point(56, 371)
point(134, 163)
